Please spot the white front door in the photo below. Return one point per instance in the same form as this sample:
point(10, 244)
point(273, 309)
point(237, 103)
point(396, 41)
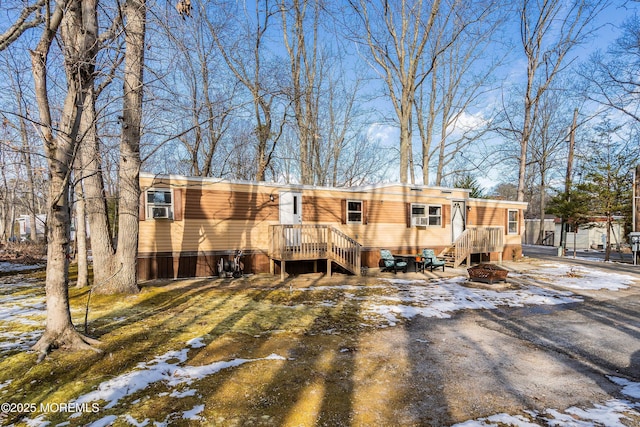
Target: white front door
point(291, 214)
point(458, 222)
point(290, 207)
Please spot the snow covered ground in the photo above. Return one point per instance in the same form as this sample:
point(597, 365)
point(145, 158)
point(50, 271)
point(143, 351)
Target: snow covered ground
point(6, 267)
point(22, 309)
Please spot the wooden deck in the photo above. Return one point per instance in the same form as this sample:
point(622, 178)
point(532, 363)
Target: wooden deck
point(475, 240)
point(312, 243)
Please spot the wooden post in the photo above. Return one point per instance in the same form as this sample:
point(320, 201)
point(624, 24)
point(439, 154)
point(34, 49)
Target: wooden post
point(328, 267)
point(283, 264)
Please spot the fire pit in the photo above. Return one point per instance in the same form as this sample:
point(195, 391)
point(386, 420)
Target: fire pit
point(487, 273)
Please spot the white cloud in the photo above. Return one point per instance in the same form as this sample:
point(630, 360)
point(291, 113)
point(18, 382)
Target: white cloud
point(386, 135)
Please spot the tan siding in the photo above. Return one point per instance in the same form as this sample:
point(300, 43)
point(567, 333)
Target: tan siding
point(487, 216)
point(321, 209)
point(195, 235)
point(382, 211)
point(224, 205)
point(446, 214)
point(387, 235)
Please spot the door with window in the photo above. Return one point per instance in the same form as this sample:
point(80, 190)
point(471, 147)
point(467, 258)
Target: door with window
point(291, 214)
point(458, 220)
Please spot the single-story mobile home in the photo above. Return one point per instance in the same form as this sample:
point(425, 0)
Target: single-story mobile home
point(188, 223)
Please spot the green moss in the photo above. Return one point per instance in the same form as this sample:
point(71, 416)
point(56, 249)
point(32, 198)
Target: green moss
point(235, 319)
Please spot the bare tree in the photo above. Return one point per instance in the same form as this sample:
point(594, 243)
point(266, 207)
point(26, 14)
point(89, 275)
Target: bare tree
point(60, 146)
point(125, 272)
point(455, 84)
point(244, 53)
point(549, 30)
point(300, 29)
point(21, 138)
point(7, 190)
point(396, 35)
point(30, 16)
point(548, 149)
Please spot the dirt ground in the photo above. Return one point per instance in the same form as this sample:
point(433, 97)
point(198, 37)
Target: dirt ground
point(481, 363)
point(339, 367)
point(438, 372)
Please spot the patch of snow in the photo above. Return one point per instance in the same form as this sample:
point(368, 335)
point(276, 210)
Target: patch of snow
point(629, 388)
point(185, 393)
point(104, 421)
point(163, 368)
point(196, 343)
point(39, 421)
point(135, 422)
point(23, 310)
point(610, 414)
point(10, 266)
point(20, 307)
point(193, 413)
point(499, 420)
point(12, 341)
point(584, 278)
point(441, 299)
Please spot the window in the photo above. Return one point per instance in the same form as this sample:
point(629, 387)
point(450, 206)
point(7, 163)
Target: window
point(159, 204)
point(435, 215)
point(426, 215)
point(512, 225)
point(354, 211)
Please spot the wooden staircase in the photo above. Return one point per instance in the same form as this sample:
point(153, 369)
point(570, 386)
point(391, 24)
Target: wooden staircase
point(448, 256)
point(476, 240)
point(314, 242)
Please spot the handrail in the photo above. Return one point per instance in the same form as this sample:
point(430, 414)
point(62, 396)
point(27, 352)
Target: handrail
point(315, 241)
point(478, 240)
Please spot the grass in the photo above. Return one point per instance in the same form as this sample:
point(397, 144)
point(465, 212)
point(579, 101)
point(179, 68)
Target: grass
point(317, 331)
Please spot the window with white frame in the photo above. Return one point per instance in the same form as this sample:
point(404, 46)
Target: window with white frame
point(354, 211)
point(426, 215)
point(512, 222)
point(435, 215)
point(159, 204)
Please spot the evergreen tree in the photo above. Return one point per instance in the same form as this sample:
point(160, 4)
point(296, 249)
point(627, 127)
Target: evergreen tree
point(606, 184)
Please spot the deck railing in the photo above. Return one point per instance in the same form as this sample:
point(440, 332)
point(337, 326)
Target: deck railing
point(313, 242)
point(478, 240)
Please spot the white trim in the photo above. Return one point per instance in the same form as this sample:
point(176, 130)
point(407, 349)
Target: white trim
point(509, 222)
point(361, 211)
point(445, 193)
point(149, 206)
point(425, 220)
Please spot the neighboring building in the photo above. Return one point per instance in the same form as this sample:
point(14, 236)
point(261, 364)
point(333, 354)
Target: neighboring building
point(187, 224)
point(532, 231)
point(24, 226)
point(590, 236)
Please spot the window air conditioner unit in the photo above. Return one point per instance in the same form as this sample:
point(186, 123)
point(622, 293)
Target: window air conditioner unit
point(420, 221)
point(158, 212)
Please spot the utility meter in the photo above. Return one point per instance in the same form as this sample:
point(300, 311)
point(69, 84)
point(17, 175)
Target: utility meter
point(634, 239)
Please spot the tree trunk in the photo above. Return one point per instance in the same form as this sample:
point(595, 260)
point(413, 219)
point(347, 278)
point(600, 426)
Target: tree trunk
point(95, 202)
point(26, 160)
point(125, 276)
point(81, 238)
point(405, 147)
point(607, 243)
point(543, 204)
point(59, 149)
